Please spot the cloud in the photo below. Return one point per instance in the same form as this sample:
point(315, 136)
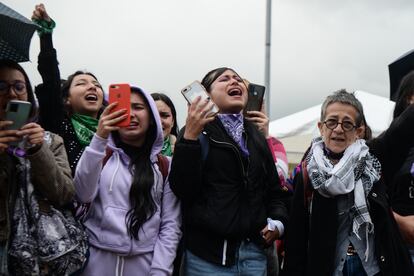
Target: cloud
point(318, 46)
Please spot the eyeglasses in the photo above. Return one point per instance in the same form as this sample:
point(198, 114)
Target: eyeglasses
point(19, 87)
point(346, 125)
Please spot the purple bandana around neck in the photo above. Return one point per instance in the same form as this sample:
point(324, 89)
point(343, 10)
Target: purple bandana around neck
point(233, 123)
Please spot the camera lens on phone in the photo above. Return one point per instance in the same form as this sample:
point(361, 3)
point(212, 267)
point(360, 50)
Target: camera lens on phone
point(13, 107)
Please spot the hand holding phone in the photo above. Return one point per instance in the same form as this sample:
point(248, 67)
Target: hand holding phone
point(18, 113)
point(200, 112)
point(121, 93)
point(7, 136)
point(195, 89)
point(260, 119)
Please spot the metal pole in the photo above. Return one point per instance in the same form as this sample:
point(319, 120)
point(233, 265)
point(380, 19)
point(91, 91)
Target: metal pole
point(267, 58)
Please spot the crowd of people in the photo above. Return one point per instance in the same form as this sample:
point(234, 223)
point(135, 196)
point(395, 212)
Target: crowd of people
point(211, 198)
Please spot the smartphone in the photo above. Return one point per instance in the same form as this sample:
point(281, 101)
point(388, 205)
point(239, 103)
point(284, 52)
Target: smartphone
point(195, 89)
point(18, 112)
point(121, 93)
point(255, 97)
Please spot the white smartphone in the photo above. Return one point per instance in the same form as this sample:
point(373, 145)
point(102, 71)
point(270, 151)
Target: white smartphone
point(194, 90)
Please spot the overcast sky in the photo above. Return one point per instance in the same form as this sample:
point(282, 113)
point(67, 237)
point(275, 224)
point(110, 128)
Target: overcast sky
point(318, 46)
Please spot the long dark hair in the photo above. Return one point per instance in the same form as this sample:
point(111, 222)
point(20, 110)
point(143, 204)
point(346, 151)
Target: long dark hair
point(164, 98)
point(405, 92)
point(66, 87)
point(10, 64)
point(142, 203)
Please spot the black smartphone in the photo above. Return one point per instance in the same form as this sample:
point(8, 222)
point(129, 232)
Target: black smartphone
point(255, 97)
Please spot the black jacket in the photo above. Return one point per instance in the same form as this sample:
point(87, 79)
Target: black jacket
point(52, 114)
point(227, 197)
point(311, 240)
point(392, 146)
point(398, 160)
point(402, 193)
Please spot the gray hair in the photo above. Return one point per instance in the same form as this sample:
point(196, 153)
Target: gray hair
point(344, 97)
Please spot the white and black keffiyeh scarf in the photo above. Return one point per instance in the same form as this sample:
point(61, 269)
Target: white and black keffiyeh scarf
point(356, 171)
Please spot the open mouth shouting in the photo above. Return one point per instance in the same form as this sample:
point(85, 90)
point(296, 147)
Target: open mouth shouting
point(235, 92)
point(91, 98)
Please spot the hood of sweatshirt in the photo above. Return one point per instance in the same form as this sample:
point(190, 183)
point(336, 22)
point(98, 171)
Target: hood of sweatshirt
point(159, 139)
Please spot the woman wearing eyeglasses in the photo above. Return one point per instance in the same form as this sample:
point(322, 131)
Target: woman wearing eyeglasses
point(35, 157)
point(340, 221)
point(14, 86)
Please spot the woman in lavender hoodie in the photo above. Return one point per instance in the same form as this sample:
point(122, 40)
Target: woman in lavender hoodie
point(134, 218)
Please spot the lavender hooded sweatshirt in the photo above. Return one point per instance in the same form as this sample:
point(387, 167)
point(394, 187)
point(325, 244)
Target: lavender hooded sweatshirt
point(113, 251)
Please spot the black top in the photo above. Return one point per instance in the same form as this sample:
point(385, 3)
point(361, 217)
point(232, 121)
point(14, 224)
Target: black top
point(227, 197)
point(393, 145)
point(310, 245)
point(311, 236)
point(74, 149)
point(52, 114)
point(402, 197)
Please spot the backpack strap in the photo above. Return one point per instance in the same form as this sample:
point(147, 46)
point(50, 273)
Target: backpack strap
point(108, 154)
point(163, 164)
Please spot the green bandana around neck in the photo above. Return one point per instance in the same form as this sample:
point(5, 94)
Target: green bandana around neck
point(85, 127)
point(166, 147)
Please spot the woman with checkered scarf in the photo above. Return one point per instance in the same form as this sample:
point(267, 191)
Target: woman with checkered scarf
point(340, 221)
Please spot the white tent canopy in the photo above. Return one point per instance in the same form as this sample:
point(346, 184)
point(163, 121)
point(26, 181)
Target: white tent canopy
point(378, 113)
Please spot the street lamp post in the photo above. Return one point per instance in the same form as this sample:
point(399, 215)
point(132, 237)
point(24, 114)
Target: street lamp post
point(267, 57)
